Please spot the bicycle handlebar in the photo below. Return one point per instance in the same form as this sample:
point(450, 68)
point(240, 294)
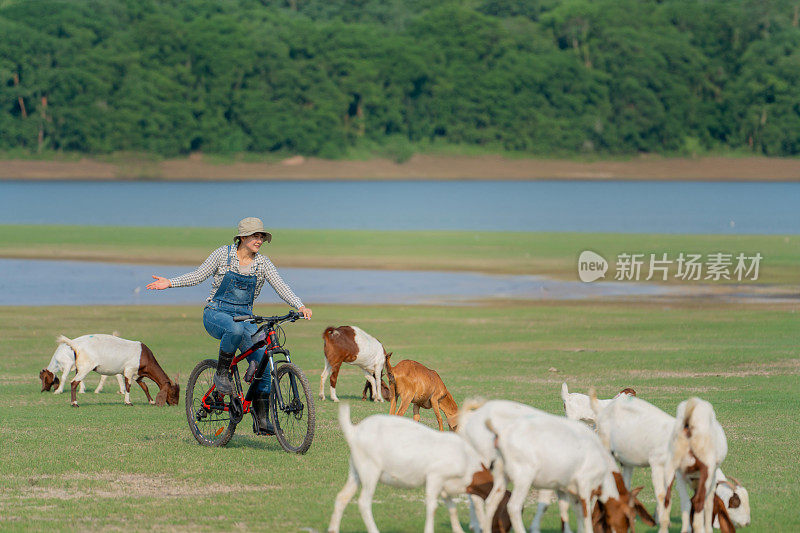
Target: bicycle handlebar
point(290, 316)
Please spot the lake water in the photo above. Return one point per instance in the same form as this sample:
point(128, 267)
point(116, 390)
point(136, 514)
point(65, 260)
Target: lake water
point(581, 206)
point(34, 282)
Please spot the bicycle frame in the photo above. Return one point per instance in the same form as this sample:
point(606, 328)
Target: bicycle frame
point(246, 400)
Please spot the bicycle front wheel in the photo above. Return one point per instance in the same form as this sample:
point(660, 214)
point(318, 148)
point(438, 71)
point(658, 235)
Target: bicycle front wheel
point(294, 421)
point(210, 424)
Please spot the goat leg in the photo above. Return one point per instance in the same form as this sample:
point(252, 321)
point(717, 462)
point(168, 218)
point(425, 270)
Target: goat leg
point(143, 385)
point(99, 388)
point(435, 407)
point(342, 499)
point(455, 525)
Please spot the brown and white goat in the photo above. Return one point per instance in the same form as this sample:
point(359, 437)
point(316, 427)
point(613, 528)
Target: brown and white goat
point(350, 344)
point(109, 355)
point(63, 362)
point(415, 383)
point(696, 449)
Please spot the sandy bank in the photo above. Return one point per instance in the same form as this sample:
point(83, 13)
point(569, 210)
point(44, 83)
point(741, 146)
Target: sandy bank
point(419, 167)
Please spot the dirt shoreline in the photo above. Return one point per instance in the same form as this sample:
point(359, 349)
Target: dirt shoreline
point(419, 167)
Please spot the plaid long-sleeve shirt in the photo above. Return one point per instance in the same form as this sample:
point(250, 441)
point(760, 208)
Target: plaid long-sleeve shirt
point(217, 265)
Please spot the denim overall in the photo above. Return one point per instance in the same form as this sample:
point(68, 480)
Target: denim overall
point(234, 297)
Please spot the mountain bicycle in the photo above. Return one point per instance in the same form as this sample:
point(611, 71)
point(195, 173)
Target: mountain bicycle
point(213, 421)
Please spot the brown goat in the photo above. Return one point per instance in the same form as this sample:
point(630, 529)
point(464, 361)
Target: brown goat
point(417, 384)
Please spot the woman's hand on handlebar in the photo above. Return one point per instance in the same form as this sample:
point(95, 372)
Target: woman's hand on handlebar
point(159, 283)
point(306, 312)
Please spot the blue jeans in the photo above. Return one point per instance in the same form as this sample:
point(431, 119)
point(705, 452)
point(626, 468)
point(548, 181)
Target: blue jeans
point(218, 321)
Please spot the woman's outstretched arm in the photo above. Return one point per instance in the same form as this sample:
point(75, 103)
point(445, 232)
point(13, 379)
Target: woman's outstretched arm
point(202, 273)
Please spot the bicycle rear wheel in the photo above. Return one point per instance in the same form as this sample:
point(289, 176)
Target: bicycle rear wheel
point(211, 426)
point(295, 422)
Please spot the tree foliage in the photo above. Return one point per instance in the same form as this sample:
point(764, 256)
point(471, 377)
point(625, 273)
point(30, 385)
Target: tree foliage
point(320, 77)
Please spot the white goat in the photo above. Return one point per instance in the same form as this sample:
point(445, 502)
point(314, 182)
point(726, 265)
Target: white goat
point(556, 453)
point(109, 355)
point(472, 420)
point(472, 427)
point(637, 433)
point(577, 406)
point(63, 361)
point(402, 453)
point(697, 447)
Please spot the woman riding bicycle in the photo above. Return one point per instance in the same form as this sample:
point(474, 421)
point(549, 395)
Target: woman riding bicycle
point(239, 273)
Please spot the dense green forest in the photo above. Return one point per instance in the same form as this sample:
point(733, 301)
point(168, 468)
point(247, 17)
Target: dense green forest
point(324, 77)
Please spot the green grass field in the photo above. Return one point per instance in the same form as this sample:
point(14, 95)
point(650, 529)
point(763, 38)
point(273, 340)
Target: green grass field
point(111, 467)
point(547, 254)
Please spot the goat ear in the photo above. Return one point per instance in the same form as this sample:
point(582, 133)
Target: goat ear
point(725, 522)
point(641, 510)
point(635, 492)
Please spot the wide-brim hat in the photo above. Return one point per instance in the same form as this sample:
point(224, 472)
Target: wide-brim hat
point(248, 226)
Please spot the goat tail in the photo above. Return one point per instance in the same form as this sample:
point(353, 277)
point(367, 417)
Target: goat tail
point(688, 409)
point(388, 367)
point(345, 423)
point(62, 339)
point(681, 433)
point(564, 391)
point(329, 332)
point(595, 403)
point(115, 333)
point(471, 404)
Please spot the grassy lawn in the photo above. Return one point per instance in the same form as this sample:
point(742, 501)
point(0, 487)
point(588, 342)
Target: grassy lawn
point(107, 466)
point(549, 254)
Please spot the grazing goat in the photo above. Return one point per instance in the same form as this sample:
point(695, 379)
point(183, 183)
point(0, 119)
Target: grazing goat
point(550, 452)
point(109, 355)
point(637, 433)
point(734, 498)
point(366, 394)
point(481, 486)
point(696, 448)
point(402, 453)
point(577, 407)
point(350, 344)
point(418, 384)
point(472, 426)
point(63, 361)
